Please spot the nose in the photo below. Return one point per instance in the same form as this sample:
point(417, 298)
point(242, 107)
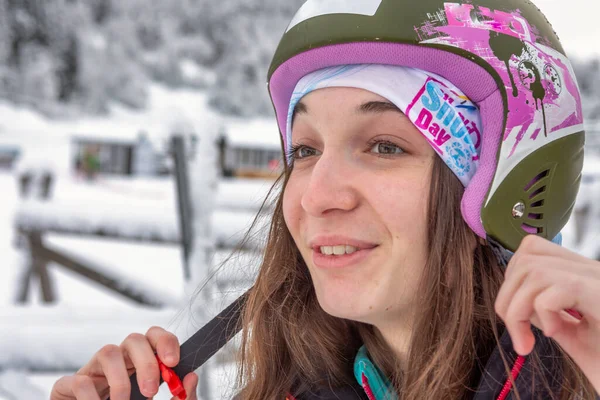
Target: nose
point(331, 186)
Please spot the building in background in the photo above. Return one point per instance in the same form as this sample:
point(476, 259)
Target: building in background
point(111, 156)
point(120, 148)
point(250, 149)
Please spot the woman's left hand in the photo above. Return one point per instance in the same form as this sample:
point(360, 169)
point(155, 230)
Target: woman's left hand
point(541, 281)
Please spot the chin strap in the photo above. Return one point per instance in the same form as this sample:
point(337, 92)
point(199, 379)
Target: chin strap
point(200, 347)
point(503, 256)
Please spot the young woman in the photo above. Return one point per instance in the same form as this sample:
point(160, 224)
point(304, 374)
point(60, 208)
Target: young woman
point(422, 139)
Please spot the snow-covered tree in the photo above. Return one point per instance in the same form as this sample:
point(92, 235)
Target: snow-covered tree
point(247, 32)
point(588, 77)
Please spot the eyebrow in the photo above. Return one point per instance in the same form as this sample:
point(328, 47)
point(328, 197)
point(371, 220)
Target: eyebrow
point(299, 109)
point(377, 107)
point(366, 108)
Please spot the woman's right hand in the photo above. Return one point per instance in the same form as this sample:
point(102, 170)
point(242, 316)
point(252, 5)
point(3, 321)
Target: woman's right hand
point(107, 373)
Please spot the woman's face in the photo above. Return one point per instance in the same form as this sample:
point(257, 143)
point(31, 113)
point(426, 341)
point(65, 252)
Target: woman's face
point(359, 189)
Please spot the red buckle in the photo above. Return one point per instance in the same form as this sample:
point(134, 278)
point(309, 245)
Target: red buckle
point(173, 381)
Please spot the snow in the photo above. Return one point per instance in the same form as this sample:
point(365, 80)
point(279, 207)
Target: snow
point(157, 269)
point(87, 316)
point(63, 337)
point(150, 209)
point(143, 220)
point(261, 133)
point(47, 143)
point(247, 194)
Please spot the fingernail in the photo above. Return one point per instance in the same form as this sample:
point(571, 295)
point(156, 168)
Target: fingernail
point(170, 357)
point(150, 386)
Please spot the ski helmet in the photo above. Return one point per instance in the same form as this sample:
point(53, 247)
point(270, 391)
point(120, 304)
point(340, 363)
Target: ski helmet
point(504, 55)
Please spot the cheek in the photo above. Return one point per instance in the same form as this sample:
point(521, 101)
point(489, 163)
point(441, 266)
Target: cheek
point(402, 206)
point(291, 208)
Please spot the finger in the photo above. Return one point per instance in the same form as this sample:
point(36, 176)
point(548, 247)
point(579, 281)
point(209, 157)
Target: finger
point(552, 321)
point(112, 363)
point(526, 265)
point(63, 389)
point(190, 384)
point(137, 347)
point(519, 313)
point(83, 388)
point(577, 293)
point(533, 246)
point(543, 268)
point(536, 245)
point(574, 336)
point(166, 345)
point(526, 303)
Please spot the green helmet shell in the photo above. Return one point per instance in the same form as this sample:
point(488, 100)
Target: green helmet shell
point(504, 55)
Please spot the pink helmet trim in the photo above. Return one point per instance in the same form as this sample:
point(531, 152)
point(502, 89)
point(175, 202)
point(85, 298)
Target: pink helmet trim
point(474, 80)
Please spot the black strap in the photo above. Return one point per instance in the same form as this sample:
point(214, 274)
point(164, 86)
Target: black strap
point(502, 255)
point(199, 348)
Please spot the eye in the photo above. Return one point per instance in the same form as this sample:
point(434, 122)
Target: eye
point(386, 148)
point(299, 152)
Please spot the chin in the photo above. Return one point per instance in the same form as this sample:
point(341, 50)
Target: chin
point(346, 304)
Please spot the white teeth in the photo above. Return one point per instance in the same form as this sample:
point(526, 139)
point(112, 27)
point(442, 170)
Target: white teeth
point(339, 250)
point(327, 250)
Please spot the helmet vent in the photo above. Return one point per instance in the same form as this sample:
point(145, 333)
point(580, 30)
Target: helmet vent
point(534, 230)
point(538, 178)
point(536, 192)
point(533, 223)
point(538, 203)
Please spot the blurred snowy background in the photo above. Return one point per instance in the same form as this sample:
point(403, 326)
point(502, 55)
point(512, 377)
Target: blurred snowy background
point(137, 143)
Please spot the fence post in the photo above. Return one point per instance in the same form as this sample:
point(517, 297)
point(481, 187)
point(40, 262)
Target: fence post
point(184, 202)
point(39, 267)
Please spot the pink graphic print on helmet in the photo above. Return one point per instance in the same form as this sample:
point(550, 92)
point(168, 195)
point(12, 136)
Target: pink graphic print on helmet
point(541, 88)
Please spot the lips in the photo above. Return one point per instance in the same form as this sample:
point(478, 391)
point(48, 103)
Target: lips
point(331, 241)
point(361, 250)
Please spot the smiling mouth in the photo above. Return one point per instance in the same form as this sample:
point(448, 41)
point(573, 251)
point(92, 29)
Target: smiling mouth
point(331, 257)
point(338, 250)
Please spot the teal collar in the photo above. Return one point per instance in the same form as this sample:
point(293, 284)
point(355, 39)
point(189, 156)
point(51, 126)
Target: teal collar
point(372, 380)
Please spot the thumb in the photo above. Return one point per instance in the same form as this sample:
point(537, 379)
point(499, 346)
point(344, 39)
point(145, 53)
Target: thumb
point(190, 383)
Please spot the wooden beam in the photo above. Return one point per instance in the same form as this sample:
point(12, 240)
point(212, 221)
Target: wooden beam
point(88, 272)
point(25, 283)
point(26, 230)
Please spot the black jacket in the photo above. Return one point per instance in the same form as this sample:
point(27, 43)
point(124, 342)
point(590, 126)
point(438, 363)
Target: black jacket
point(491, 382)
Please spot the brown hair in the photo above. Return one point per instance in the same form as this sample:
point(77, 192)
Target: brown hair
point(287, 338)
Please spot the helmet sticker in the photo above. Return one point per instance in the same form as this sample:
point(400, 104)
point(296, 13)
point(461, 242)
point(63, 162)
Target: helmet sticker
point(451, 123)
point(541, 87)
point(315, 8)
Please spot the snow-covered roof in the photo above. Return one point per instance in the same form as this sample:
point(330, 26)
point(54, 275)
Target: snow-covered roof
point(256, 133)
point(110, 131)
